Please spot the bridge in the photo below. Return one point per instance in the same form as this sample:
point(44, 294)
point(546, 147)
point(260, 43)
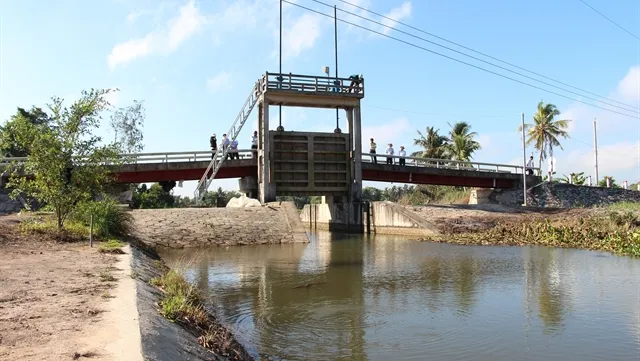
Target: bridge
point(288, 163)
point(190, 165)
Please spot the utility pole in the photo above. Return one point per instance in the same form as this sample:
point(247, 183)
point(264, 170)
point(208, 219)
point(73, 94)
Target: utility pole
point(280, 73)
point(524, 164)
point(335, 49)
point(595, 148)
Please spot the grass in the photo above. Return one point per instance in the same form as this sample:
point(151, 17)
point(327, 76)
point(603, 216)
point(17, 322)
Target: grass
point(112, 246)
point(110, 219)
point(106, 276)
point(182, 303)
point(617, 233)
point(72, 231)
point(625, 206)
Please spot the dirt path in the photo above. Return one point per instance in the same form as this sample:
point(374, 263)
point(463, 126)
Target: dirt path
point(64, 301)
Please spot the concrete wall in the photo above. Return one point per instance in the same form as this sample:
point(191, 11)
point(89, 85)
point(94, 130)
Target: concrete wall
point(197, 227)
point(390, 218)
point(379, 217)
point(480, 196)
point(340, 217)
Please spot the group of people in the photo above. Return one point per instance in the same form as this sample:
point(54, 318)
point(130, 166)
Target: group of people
point(232, 146)
point(389, 151)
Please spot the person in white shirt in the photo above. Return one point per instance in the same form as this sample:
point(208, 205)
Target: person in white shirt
point(402, 153)
point(390, 153)
point(234, 150)
point(372, 150)
point(225, 145)
point(254, 144)
point(530, 166)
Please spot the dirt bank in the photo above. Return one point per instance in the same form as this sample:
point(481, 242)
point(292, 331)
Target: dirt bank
point(451, 219)
point(63, 301)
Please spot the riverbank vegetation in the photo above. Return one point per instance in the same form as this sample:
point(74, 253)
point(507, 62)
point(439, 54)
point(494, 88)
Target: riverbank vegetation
point(613, 231)
point(182, 303)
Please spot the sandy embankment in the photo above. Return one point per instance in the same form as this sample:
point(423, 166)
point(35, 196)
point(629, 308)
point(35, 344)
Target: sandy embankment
point(64, 301)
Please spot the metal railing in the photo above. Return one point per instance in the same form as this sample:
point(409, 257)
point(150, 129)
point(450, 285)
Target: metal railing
point(204, 155)
point(166, 157)
point(232, 134)
point(311, 83)
point(444, 163)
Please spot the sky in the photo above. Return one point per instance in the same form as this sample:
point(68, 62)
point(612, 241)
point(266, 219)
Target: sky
point(194, 63)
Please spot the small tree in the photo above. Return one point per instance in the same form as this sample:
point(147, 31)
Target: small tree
point(66, 162)
point(127, 124)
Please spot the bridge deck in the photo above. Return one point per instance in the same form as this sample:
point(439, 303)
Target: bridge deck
point(156, 167)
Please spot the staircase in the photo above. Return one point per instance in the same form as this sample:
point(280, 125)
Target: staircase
point(221, 152)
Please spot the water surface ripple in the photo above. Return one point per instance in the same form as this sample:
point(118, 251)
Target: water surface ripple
point(385, 298)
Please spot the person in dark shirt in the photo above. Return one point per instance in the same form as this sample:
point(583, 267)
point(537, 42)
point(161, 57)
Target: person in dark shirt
point(213, 142)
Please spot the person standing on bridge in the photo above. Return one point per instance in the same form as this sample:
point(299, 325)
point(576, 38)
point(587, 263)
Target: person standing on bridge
point(402, 153)
point(372, 150)
point(225, 145)
point(234, 150)
point(390, 154)
point(530, 166)
point(213, 142)
point(254, 143)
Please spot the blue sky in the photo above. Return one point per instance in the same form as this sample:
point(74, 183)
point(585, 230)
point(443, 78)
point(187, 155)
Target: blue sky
point(194, 62)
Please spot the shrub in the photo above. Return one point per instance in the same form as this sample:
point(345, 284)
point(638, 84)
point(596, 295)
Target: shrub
point(109, 218)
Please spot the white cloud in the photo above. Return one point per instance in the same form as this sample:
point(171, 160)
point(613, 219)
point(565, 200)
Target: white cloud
point(612, 159)
point(627, 91)
point(301, 36)
point(398, 14)
point(386, 133)
point(133, 16)
point(180, 28)
point(219, 81)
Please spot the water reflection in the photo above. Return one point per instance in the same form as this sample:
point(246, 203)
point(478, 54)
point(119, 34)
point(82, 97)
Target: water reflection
point(382, 298)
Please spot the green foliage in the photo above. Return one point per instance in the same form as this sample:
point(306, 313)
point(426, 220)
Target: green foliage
point(626, 206)
point(110, 219)
point(66, 159)
point(574, 178)
point(432, 144)
point(417, 195)
point(617, 233)
point(127, 124)
point(301, 201)
point(603, 182)
point(545, 132)
point(112, 246)
point(12, 134)
point(47, 225)
point(152, 197)
point(460, 145)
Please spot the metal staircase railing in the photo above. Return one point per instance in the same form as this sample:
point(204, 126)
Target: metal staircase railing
point(221, 152)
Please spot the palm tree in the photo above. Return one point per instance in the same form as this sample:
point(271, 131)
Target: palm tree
point(432, 144)
point(546, 130)
point(461, 144)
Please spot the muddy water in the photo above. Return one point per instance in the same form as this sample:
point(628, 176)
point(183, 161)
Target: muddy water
point(384, 298)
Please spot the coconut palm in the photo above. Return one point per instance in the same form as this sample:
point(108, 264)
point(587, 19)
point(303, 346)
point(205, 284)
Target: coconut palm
point(432, 144)
point(545, 132)
point(461, 144)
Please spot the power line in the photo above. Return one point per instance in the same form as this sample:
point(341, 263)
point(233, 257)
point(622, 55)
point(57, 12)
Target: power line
point(438, 114)
point(461, 61)
point(484, 61)
point(481, 53)
point(611, 21)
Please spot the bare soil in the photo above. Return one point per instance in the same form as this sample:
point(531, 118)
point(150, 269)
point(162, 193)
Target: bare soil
point(54, 297)
point(453, 219)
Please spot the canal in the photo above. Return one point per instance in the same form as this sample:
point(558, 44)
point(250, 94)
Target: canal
point(345, 297)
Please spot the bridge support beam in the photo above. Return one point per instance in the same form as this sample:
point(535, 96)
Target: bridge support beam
point(266, 188)
point(249, 186)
